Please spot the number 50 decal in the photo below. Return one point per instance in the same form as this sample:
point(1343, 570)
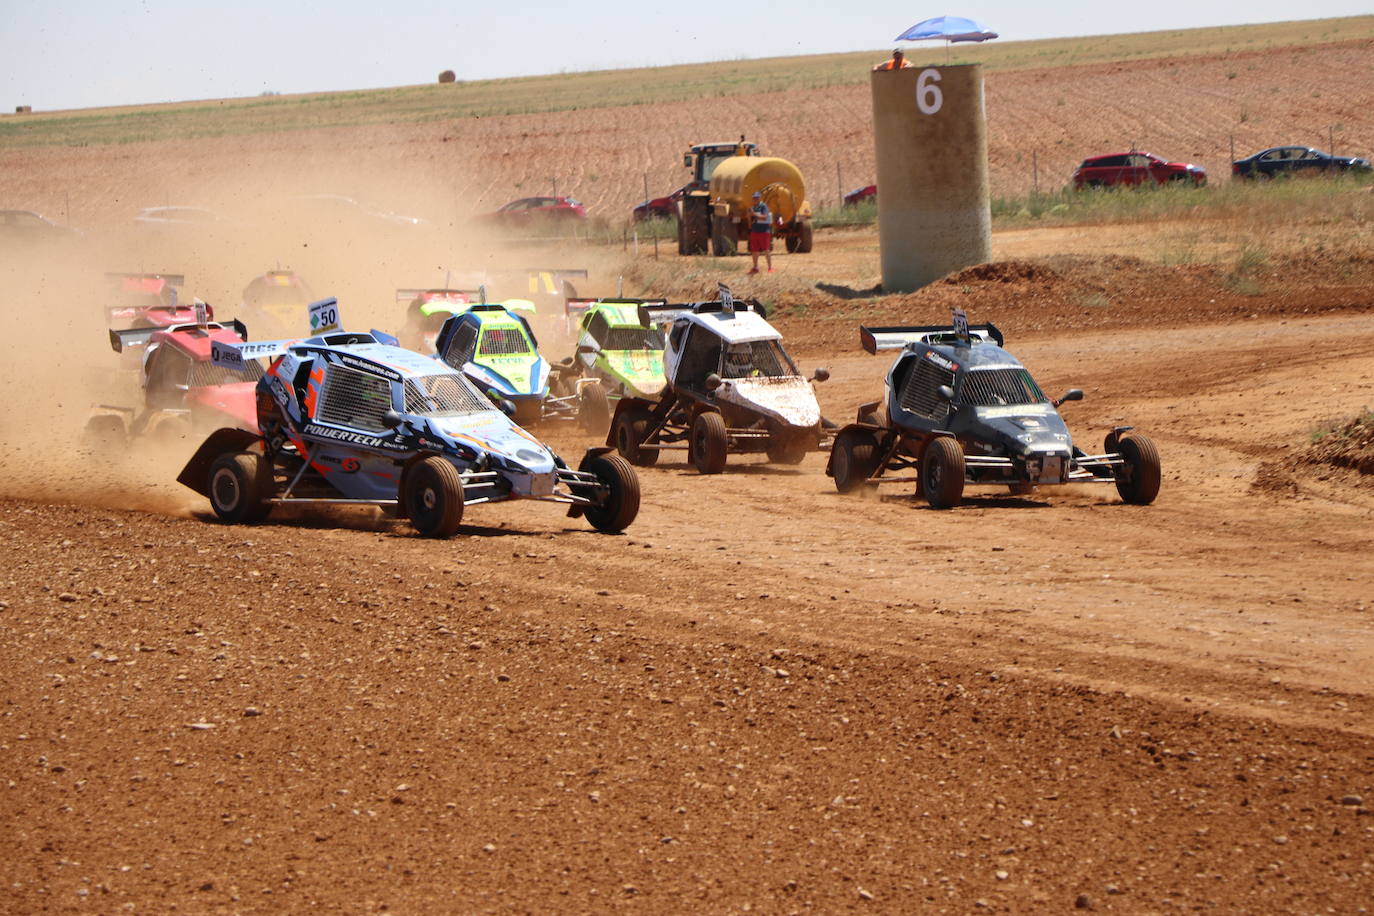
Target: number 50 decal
point(929, 98)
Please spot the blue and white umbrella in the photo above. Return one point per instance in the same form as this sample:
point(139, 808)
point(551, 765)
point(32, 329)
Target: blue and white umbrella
point(947, 28)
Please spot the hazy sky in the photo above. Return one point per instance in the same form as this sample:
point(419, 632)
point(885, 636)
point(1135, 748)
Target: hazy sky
point(84, 53)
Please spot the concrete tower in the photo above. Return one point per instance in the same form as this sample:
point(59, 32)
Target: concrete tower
point(932, 153)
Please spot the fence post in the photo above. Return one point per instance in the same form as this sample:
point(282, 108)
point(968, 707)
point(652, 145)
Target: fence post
point(839, 187)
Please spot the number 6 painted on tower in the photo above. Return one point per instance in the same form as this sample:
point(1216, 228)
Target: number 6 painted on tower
point(929, 98)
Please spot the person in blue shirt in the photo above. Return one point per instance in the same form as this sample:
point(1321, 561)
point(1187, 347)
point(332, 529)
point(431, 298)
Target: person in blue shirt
point(760, 233)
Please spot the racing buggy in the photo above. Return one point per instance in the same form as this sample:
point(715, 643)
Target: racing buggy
point(619, 343)
point(352, 418)
point(183, 392)
point(276, 300)
point(496, 349)
point(730, 387)
point(146, 301)
point(959, 410)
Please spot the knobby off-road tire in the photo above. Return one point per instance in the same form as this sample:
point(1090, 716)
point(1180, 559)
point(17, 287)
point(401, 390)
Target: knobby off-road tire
point(629, 433)
point(594, 408)
point(240, 485)
point(1137, 478)
point(853, 459)
point(621, 504)
point(942, 473)
point(434, 497)
point(709, 442)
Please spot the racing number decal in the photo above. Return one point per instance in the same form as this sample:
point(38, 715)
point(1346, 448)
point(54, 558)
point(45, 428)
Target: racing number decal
point(929, 98)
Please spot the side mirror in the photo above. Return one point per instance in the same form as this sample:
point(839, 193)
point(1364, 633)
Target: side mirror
point(713, 382)
point(586, 349)
point(1073, 394)
point(391, 419)
point(820, 375)
point(506, 406)
point(945, 392)
point(687, 160)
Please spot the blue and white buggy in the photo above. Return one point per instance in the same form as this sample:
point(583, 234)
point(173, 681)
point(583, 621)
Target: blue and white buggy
point(352, 418)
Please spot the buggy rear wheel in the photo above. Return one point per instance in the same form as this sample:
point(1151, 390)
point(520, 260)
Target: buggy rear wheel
point(942, 473)
point(105, 432)
point(628, 435)
point(621, 503)
point(593, 408)
point(853, 459)
point(240, 485)
point(1137, 477)
point(709, 441)
point(434, 497)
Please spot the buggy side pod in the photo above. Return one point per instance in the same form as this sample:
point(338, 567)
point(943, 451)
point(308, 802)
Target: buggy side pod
point(196, 472)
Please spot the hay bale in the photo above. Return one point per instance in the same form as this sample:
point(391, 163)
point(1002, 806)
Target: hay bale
point(448, 76)
point(23, 109)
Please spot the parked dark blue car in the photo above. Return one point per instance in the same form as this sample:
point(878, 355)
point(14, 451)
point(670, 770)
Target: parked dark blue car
point(1295, 160)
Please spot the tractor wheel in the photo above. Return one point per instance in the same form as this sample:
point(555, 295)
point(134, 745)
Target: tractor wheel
point(434, 497)
point(594, 408)
point(722, 236)
point(853, 459)
point(801, 242)
point(709, 441)
point(1137, 478)
point(942, 473)
point(789, 446)
point(621, 504)
point(240, 486)
point(628, 435)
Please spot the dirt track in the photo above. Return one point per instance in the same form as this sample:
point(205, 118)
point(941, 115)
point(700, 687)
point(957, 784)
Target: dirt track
point(765, 696)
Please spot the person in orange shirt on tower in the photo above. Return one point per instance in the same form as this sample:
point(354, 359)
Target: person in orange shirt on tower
point(898, 62)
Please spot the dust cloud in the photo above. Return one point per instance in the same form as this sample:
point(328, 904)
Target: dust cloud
point(355, 230)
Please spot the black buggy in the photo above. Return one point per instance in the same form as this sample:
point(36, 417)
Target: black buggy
point(960, 410)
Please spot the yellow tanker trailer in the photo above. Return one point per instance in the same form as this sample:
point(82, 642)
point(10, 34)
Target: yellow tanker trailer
point(716, 203)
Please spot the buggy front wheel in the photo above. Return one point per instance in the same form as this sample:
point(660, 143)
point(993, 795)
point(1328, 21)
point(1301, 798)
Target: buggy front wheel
point(709, 442)
point(434, 497)
point(621, 502)
point(240, 486)
point(1137, 477)
point(942, 473)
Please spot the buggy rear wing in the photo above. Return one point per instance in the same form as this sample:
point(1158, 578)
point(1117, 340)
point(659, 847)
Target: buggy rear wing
point(671, 312)
point(443, 295)
point(575, 308)
point(138, 337)
point(130, 282)
point(897, 338)
point(553, 281)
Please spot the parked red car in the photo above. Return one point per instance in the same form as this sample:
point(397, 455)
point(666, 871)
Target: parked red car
point(1134, 169)
point(659, 207)
point(535, 209)
point(861, 195)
